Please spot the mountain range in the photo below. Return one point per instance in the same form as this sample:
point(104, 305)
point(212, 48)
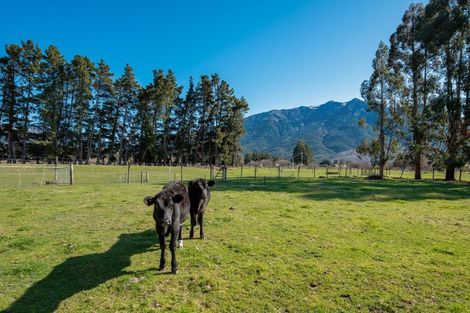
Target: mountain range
point(329, 129)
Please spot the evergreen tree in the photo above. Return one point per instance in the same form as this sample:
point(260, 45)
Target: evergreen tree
point(185, 115)
point(379, 95)
point(30, 69)
point(52, 99)
point(127, 91)
point(205, 101)
point(10, 95)
point(171, 93)
point(147, 149)
point(83, 72)
point(302, 154)
point(412, 61)
point(445, 32)
point(103, 110)
point(235, 129)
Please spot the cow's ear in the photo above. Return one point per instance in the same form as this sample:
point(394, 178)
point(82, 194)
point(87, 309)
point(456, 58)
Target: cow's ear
point(211, 183)
point(149, 200)
point(177, 198)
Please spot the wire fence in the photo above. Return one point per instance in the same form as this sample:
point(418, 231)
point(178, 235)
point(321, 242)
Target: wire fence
point(19, 175)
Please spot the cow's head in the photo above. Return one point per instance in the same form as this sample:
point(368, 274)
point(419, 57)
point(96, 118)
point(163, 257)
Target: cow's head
point(164, 203)
point(201, 184)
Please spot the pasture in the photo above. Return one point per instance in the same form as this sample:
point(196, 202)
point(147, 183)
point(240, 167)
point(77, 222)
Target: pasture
point(289, 245)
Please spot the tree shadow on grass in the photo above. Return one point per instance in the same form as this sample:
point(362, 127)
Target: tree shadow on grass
point(354, 189)
point(83, 272)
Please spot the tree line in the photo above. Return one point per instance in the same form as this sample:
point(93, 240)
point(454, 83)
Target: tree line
point(420, 88)
point(80, 112)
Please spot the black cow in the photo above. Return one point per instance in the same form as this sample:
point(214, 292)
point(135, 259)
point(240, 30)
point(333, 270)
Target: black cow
point(199, 196)
point(171, 208)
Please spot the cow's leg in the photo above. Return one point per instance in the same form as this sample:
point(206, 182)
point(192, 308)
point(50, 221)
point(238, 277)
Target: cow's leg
point(161, 240)
point(200, 220)
point(193, 223)
point(180, 237)
point(174, 265)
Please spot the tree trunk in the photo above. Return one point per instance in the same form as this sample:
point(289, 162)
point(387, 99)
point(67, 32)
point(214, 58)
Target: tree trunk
point(382, 132)
point(113, 137)
point(91, 129)
point(416, 130)
point(10, 126)
point(417, 158)
point(454, 115)
point(450, 173)
point(98, 153)
point(25, 132)
point(123, 130)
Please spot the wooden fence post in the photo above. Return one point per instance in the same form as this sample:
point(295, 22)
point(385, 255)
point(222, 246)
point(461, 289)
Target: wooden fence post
point(279, 172)
point(241, 172)
point(314, 171)
point(181, 172)
point(128, 173)
point(72, 178)
point(56, 174)
point(141, 177)
point(256, 168)
point(298, 171)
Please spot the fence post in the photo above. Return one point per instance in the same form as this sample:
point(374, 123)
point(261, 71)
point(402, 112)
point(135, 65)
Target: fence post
point(71, 174)
point(128, 173)
point(181, 176)
point(56, 176)
point(460, 175)
point(433, 173)
point(256, 167)
point(298, 171)
point(279, 172)
point(326, 172)
point(241, 172)
point(314, 171)
point(224, 173)
point(141, 177)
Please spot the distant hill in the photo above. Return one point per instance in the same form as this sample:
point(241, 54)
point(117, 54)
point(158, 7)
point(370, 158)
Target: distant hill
point(328, 129)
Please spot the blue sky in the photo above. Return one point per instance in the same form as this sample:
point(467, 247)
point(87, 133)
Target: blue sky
point(278, 54)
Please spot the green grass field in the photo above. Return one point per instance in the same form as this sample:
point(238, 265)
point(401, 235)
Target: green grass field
point(289, 245)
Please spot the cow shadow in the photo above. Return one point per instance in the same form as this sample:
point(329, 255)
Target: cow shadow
point(354, 189)
point(84, 272)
